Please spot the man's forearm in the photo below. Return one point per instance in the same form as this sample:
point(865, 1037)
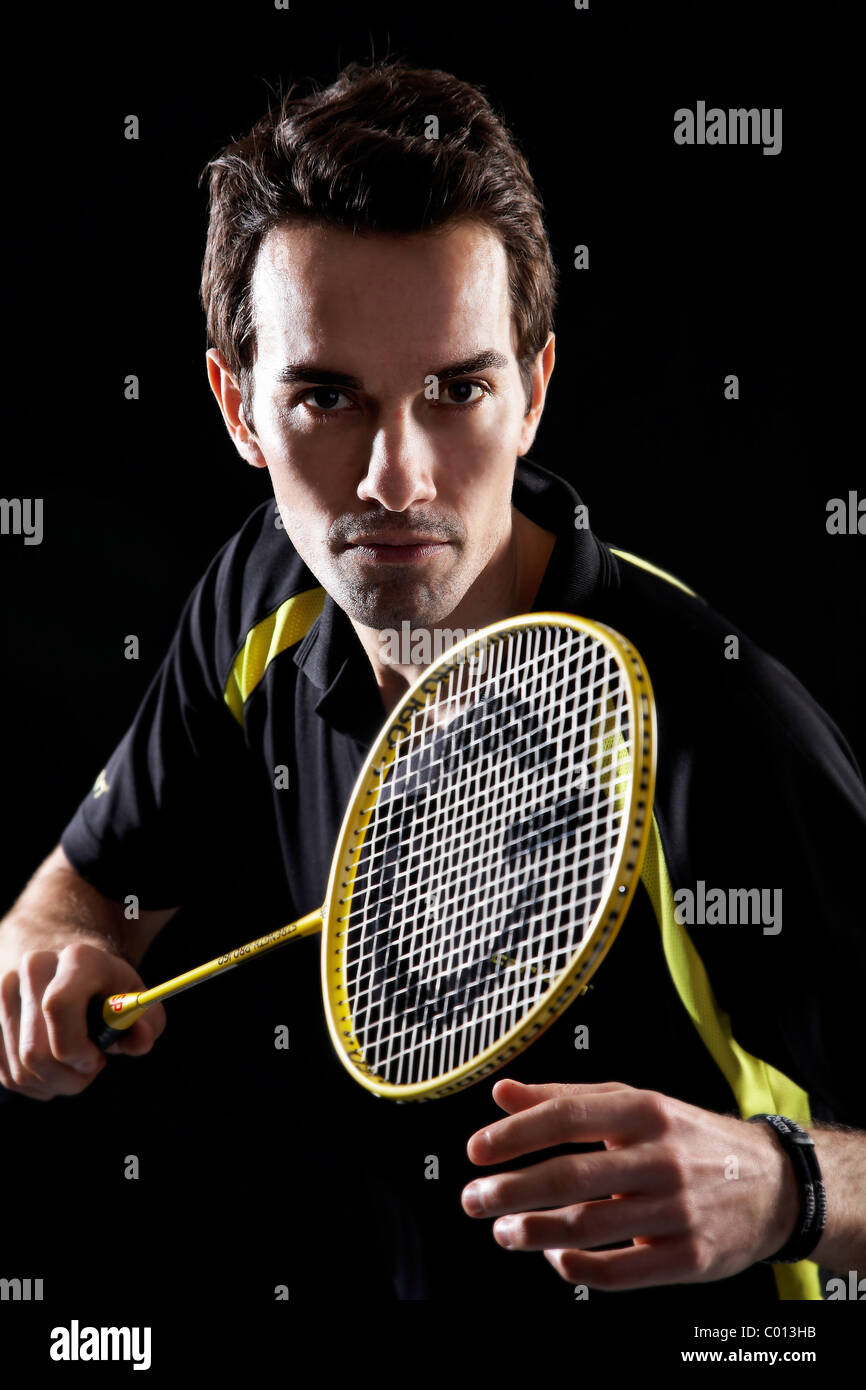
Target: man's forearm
point(842, 1158)
point(57, 901)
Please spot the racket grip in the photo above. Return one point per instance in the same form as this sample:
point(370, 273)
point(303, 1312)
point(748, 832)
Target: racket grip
point(98, 1030)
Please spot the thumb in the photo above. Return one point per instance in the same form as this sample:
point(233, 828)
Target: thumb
point(139, 1039)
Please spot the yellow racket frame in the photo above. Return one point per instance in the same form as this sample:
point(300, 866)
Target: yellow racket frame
point(622, 878)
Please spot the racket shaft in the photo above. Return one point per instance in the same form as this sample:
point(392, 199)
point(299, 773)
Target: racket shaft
point(120, 1011)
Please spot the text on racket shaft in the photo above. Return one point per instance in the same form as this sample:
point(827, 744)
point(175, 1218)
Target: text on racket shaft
point(240, 952)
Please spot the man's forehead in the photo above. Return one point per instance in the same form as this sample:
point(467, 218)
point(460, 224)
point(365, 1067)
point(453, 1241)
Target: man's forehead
point(322, 289)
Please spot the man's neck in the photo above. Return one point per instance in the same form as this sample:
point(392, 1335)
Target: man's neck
point(503, 590)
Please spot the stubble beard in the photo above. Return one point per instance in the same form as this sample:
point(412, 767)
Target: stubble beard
point(388, 602)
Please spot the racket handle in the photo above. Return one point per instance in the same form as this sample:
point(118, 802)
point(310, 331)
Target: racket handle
point(98, 1030)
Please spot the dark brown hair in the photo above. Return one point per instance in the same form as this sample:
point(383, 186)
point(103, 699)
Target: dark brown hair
point(356, 155)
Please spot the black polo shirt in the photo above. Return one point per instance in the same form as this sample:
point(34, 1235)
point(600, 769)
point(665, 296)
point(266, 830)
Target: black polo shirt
point(262, 713)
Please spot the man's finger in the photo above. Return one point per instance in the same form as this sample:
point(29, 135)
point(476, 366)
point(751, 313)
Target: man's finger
point(513, 1096)
point(593, 1223)
point(37, 970)
point(664, 1261)
point(10, 1014)
point(5, 1074)
point(33, 1070)
point(82, 972)
point(576, 1115)
point(139, 1039)
point(565, 1180)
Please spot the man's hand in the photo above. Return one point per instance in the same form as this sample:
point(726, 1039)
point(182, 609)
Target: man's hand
point(61, 943)
point(44, 1048)
point(702, 1196)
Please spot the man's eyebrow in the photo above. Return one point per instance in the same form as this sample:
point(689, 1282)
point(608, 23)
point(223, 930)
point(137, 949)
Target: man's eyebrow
point(480, 362)
point(326, 376)
point(309, 371)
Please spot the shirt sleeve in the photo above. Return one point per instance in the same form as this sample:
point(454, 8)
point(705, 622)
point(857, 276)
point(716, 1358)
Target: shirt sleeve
point(159, 808)
point(777, 803)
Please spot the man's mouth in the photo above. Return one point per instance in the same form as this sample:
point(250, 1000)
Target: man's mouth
point(396, 549)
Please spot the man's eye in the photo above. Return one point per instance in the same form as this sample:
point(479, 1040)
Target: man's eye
point(462, 389)
point(324, 399)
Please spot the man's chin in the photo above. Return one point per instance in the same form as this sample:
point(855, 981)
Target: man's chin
point(387, 605)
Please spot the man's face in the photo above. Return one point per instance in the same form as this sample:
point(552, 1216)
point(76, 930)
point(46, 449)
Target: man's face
point(396, 499)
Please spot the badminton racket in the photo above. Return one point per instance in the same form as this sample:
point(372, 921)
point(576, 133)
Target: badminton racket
point(486, 861)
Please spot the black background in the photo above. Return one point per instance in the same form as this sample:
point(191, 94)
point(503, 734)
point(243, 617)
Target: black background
point(703, 262)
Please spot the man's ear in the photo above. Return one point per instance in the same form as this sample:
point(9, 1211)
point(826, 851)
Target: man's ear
point(541, 373)
point(228, 396)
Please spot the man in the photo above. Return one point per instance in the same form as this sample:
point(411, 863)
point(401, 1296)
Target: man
point(379, 310)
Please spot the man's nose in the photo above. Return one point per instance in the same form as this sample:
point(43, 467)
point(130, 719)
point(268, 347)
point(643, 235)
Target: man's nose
point(399, 470)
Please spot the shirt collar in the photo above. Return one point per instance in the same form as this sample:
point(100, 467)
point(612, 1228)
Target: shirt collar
point(579, 563)
point(333, 660)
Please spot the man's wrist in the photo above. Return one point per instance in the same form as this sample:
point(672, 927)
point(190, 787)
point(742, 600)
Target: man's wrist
point(799, 1149)
point(785, 1196)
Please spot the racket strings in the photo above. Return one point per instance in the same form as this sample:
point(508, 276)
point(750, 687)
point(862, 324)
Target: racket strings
point(462, 977)
point(487, 851)
point(443, 976)
point(408, 780)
